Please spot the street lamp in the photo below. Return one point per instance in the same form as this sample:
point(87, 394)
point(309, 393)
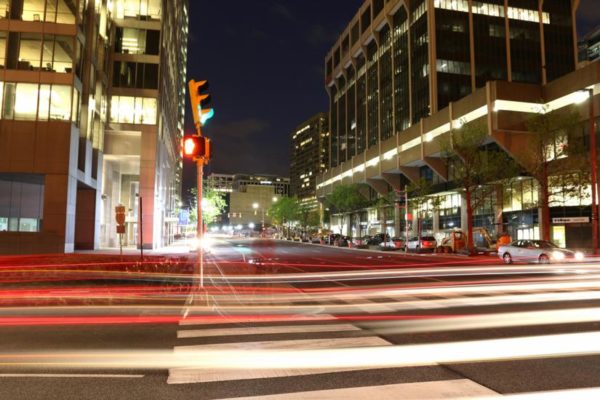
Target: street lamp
point(256, 206)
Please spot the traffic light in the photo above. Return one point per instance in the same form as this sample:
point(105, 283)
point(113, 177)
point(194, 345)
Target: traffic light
point(196, 147)
point(200, 102)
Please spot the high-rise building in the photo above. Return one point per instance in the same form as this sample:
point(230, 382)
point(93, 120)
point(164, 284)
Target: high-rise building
point(404, 75)
point(309, 156)
point(399, 61)
point(147, 101)
point(83, 84)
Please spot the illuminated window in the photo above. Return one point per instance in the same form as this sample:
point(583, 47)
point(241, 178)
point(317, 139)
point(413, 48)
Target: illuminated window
point(2, 48)
point(44, 107)
point(133, 110)
point(142, 9)
point(25, 101)
point(30, 51)
point(60, 103)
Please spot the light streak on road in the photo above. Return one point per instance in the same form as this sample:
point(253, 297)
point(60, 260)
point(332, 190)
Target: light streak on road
point(223, 357)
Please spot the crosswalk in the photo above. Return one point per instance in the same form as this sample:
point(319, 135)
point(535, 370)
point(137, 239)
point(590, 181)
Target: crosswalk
point(302, 345)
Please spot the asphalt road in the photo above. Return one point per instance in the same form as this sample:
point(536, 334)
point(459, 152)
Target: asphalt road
point(291, 320)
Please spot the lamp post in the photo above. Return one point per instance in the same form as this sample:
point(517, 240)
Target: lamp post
point(256, 206)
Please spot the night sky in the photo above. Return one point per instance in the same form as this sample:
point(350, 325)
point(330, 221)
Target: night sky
point(264, 60)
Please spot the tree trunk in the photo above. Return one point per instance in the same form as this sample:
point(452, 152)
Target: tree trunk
point(545, 209)
point(468, 200)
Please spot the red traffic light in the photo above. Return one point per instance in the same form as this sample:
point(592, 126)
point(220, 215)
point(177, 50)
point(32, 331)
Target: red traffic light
point(190, 146)
point(196, 147)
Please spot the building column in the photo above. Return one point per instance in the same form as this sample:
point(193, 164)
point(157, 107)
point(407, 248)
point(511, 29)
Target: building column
point(498, 209)
point(397, 219)
point(436, 221)
point(147, 193)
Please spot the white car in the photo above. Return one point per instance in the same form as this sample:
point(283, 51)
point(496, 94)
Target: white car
point(538, 251)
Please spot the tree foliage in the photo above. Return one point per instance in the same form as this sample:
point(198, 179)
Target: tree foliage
point(213, 204)
point(476, 168)
point(284, 210)
point(557, 160)
point(347, 198)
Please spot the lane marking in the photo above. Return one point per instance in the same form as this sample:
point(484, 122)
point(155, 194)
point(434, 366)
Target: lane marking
point(197, 333)
point(111, 376)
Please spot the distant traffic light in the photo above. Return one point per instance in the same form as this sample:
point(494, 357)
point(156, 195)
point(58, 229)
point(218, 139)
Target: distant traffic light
point(200, 102)
point(196, 147)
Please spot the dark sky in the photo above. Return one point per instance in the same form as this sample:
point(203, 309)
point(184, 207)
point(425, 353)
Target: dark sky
point(264, 60)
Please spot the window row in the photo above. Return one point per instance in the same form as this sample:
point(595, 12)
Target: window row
point(59, 11)
point(135, 75)
point(133, 110)
point(37, 52)
point(139, 9)
point(137, 41)
point(30, 101)
point(453, 67)
point(21, 202)
point(493, 10)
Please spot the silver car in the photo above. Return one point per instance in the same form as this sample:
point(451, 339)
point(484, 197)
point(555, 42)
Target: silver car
point(538, 251)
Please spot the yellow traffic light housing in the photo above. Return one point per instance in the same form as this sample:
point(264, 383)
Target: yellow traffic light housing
point(200, 100)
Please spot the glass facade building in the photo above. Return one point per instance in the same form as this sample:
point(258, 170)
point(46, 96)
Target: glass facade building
point(73, 73)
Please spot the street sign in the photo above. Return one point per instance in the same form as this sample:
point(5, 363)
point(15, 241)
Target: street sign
point(184, 217)
point(571, 220)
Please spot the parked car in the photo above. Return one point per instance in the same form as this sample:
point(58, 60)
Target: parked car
point(341, 240)
point(377, 239)
point(538, 251)
point(361, 241)
point(393, 244)
point(423, 243)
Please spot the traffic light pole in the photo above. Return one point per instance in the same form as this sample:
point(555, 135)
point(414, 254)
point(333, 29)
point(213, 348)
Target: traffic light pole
point(200, 226)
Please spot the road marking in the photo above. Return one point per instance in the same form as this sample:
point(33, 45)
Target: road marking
point(197, 333)
point(111, 376)
point(197, 375)
point(452, 389)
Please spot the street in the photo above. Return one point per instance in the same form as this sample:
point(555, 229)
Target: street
point(286, 320)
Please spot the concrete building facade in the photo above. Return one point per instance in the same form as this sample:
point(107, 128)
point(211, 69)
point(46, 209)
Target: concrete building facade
point(404, 75)
point(248, 197)
point(60, 175)
point(309, 156)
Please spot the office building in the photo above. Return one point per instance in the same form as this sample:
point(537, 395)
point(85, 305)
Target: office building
point(248, 197)
point(404, 74)
point(83, 84)
point(309, 156)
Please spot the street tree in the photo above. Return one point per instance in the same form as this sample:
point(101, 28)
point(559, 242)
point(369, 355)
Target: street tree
point(285, 211)
point(557, 159)
point(347, 198)
point(477, 169)
point(213, 204)
point(420, 195)
point(308, 217)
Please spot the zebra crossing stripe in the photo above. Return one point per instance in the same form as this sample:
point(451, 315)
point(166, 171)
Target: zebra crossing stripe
point(451, 389)
point(194, 375)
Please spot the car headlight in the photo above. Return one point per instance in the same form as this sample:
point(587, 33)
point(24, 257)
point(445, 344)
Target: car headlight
point(579, 256)
point(558, 255)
